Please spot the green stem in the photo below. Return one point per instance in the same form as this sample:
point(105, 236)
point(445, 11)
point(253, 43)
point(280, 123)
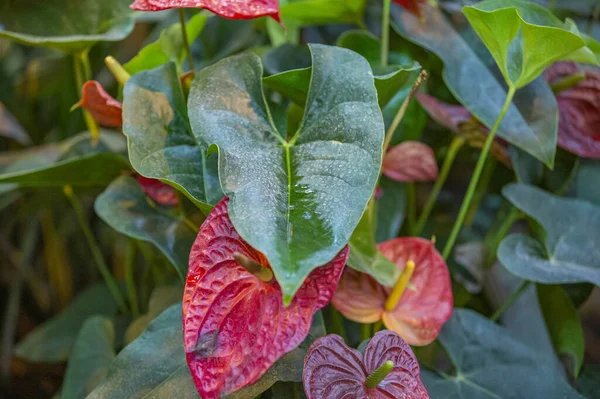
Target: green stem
point(385, 31)
point(95, 249)
point(411, 207)
point(337, 323)
point(510, 301)
point(130, 279)
point(377, 326)
point(186, 41)
point(365, 331)
point(85, 62)
point(481, 190)
point(477, 174)
point(567, 83)
point(81, 65)
point(379, 374)
point(455, 146)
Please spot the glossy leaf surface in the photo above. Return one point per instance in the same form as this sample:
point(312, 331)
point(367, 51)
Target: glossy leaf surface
point(235, 325)
point(297, 202)
point(491, 363)
point(92, 353)
point(471, 81)
point(106, 110)
point(64, 24)
point(410, 161)
point(333, 370)
point(571, 251)
point(423, 308)
point(52, 341)
point(235, 9)
point(161, 143)
point(126, 209)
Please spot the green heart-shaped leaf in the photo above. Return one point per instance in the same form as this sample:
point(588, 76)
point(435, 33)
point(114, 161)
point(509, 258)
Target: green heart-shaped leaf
point(491, 364)
point(571, 252)
point(296, 201)
point(161, 143)
point(125, 207)
point(71, 26)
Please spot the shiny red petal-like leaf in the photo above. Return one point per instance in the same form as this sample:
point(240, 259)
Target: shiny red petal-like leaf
point(332, 370)
point(410, 161)
point(161, 193)
point(235, 325)
point(449, 116)
point(413, 6)
point(104, 109)
point(579, 110)
point(235, 9)
point(424, 306)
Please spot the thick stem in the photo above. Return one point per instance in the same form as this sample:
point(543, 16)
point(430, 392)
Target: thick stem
point(455, 146)
point(510, 301)
point(476, 175)
point(385, 31)
point(255, 268)
point(379, 374)
point(81, 65)
point(184, 36)
point(365, 331)
point(337, 323)
point(95, 249)
point(567, 83)
point(120, 74)
point(394, 297)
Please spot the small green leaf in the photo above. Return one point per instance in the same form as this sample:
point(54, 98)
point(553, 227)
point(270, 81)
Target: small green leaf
point(92, 353)
point(490, 363)
point(296, 201)
point(161, 143)
point(125, 207)
point(563, 325)
point(52, 341)
point(71, 26)
point(571, 251)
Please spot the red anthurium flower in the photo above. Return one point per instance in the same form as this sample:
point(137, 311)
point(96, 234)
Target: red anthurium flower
point(410, 161)
point(235, 9)
point(161, 193)
point(234, 322)
point(578, 96)
point(104, 109)
point(420, 303)
point(414, 6)
point(387, 369)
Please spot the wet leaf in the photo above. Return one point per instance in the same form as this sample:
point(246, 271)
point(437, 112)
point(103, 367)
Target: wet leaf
point(239, 9)
point(52, 341)
point(490, 363)
point(92, 353)
point(161, 143)
point(410, 161)
point(334, 370)
point(423, 308)
point(220, 296)
point(106, 110)
point(570, 253)
point(295, 201)
point(125, 208)
point(64, 24)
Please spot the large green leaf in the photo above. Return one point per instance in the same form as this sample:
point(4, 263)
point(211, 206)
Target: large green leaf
point(168, 47)
point(66, 25)
point(165, 374)
point(77, 161)
point(52, 341)
point(161, 143)
point(563, 325)
point(531, 121)
point(491, 364)
point(125, 207)
point(92, 353)
point(322, 12)
point(571, 252)
point(587, 181)
point(296, 201)
point(524, 38)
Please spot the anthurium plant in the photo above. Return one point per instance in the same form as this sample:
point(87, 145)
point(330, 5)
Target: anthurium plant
point(322, 199)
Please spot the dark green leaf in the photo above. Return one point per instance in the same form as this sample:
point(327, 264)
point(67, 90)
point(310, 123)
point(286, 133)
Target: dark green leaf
point(571, 252)
point(92, 353)
point(491, 364)
point(285, 58)
point(589, 381)
point(531, 121)
point(125, 207)
point(161, 143)
point(391, 208)
point(52, 341)
point(563, 325)
point(67, 25)
point(587, 181)
point(77, 161)
point(299, 201)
